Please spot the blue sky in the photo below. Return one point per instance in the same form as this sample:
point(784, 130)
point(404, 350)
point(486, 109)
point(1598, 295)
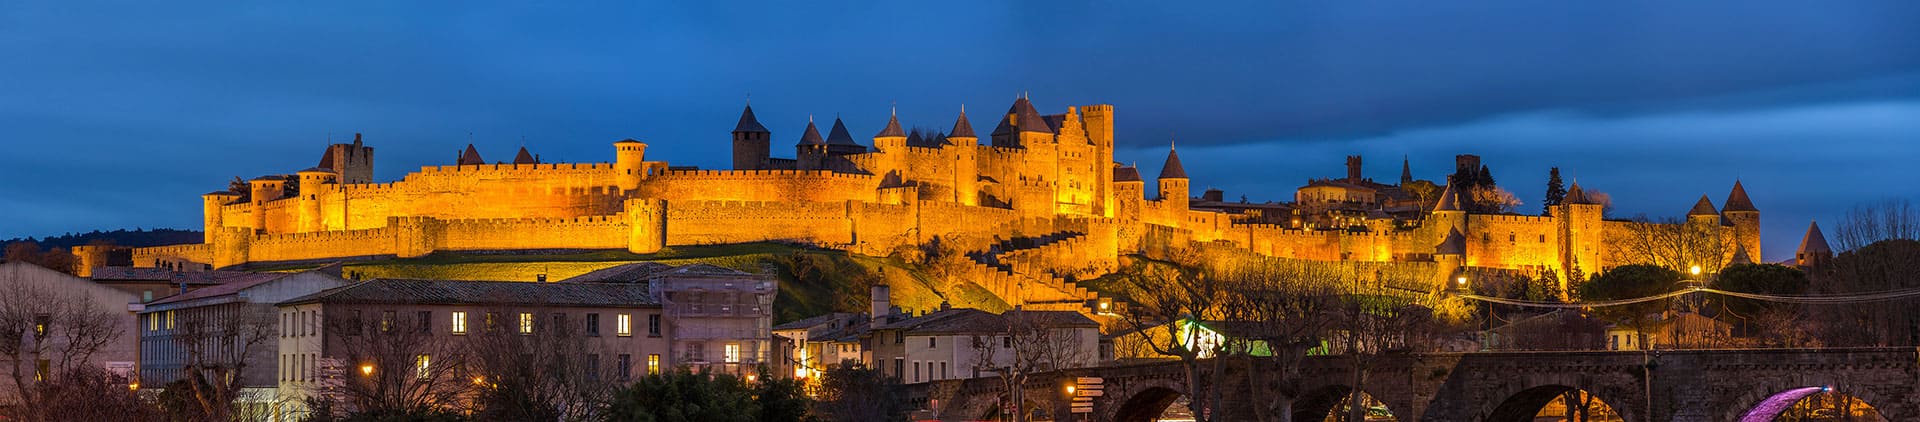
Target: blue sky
point(117, 115)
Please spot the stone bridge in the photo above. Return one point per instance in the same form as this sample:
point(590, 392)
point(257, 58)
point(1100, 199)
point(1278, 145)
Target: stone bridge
point(1673, 385)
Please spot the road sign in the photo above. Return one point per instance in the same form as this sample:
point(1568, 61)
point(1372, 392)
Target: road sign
point(1089, 393)
point(1090, 380)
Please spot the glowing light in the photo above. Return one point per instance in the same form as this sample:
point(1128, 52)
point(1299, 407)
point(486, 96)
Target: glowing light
point(1069, 389)
point(366, 369)
point(752, 378)
point(1462, 280)
point(1695, 270)
point(479, 380)
point(133, 387)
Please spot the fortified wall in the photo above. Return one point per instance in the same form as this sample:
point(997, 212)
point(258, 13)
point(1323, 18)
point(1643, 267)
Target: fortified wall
point(1037, 177)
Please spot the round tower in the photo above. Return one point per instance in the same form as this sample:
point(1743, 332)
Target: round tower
point(312, 182)
point(211, 219)
point(966, 166)
point(265, 189)
point(1740, 212)
point(629, 163)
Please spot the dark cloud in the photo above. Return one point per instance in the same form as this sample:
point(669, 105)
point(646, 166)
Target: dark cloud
point(117, 114)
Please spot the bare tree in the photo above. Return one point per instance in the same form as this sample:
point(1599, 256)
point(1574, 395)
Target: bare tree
point(1869, 223)
point(1165, 296)
point(549, 373)
point(218, 345)
point(1671, 243)
point(393, 368)
point(47, 332)
point(1028, 343)
point(1494, 199)
point(1284, 307)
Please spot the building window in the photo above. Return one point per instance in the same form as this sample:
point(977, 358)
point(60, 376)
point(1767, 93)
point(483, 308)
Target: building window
point(593, 367)
point(653, 364)
point(943, 370)
point(146, 296)
point(353, 326)
point(169, 320)
point(899, 337)
point(153, 322)
point(916, 371)
point(559, 323)
point(459, 319)
point(493, 321)
point(731, 353)
point(40, 323)
point(932, 342)
point(1006, 342)
point(526, 323)
point(653, 325)
point(623, 325)
point(899, 367)
point(425, 321)
point(386, 321)
point(422, 366)
point(593, 325)
point(625, 371)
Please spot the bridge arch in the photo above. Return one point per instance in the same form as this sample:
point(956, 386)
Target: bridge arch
point(1524, 405)
point(1147, 404)
point(1319, 403)
point(1765, 405)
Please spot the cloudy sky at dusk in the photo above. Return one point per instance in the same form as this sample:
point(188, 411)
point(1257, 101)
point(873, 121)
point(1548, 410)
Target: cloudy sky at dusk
point(119, 115)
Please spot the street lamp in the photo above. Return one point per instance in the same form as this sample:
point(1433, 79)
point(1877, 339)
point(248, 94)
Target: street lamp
point(366, 369)
point(1695, 270)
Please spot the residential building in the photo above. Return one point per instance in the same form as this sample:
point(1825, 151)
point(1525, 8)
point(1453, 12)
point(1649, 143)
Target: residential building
point(224, 328)
point(58, 310)
point(721, 318)
point(611, 331)
point(818, 342)
point(971, 343)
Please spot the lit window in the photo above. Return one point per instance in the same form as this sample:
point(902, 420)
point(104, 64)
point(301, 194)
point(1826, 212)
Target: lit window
point(169, 320)
point(526, 323)
point(386, 321)
point(153, 322)
point(623, 325)
point(653, 364)
point(422, 366)
point(459, 323)
point(732, 353)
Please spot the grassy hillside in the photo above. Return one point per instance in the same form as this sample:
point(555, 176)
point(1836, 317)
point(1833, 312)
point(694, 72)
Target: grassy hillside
point(812, 281)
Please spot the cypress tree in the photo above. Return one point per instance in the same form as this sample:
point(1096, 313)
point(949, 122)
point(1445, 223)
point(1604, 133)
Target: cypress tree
point(1555, 192)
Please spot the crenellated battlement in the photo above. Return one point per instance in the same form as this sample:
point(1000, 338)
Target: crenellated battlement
point(543, 167)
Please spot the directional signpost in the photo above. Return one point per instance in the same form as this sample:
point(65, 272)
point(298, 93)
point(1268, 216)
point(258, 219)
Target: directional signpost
point(1084, 389)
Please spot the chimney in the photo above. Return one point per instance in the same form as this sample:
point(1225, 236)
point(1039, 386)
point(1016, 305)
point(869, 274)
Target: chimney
point(880, 307)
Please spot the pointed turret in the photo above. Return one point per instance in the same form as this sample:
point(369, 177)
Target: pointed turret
point(1740, 257)
point(1703, 208)
point(838, 135)
point(961, 129)
point(749, 123)
point(893, 129)
point(1406, 171)
point(1813, 247)
point(812, 135)
point(1575, 195)
point(1448, 200)
point(1173, 169)
point(1737, 200)
point(1454, 244)
point(471, 157)
point(524, 157)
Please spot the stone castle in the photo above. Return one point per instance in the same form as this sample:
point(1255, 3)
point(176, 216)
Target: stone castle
point(1040, 200)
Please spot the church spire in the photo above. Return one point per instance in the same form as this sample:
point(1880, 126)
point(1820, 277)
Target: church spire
point(1406, 170)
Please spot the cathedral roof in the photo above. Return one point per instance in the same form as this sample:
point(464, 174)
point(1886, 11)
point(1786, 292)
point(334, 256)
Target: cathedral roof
point(748, 123)
point(1703, 207)
point(1022, 117)
point(892, 129)
point(839, 135)
point(1737, 200)
point(961, 128)
point(1126, 174)
point(1448, 200)
point(1454, 244)
point(812, 135)
point(524, 158)
point(1815, 242)
point(470, 157)
point(1173, 169)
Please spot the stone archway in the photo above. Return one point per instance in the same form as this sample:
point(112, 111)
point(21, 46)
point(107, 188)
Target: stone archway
point(1774, 405)
point(1147, 404)
point(1317, 404)
point(1524, 405)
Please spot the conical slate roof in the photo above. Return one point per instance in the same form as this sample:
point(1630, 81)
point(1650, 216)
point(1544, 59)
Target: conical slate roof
point(1022, 117)
point(748, 123)
point(524, 158)
point(839, 134)
point(1815, 242)
point(1172, 169)
point(892, 130)
point(1575, 195)
point(961, 129)
point(1448, 200)
point(812, 135)
point(1737, 200)
point(1454, 244)
point(471, 157)
point(1703, 207)
point(1740, 257)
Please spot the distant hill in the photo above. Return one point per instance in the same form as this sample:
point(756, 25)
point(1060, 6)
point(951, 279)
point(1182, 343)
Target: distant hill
point(122, 237)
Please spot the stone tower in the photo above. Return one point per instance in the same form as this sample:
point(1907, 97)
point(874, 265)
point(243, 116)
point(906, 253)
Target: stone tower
point(1173, 184)
point(751, 142)
point(211, 218)
point(629, 163)
point(966, 165)
point(1353, 168)
point(353, 162)
point(1099, 127)
point(1579, 221)
point(308, 217)
point(811, 152)
point(1739, 212)
point(1813, 248)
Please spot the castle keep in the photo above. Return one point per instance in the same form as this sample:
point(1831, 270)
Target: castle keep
point(1048, 180)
